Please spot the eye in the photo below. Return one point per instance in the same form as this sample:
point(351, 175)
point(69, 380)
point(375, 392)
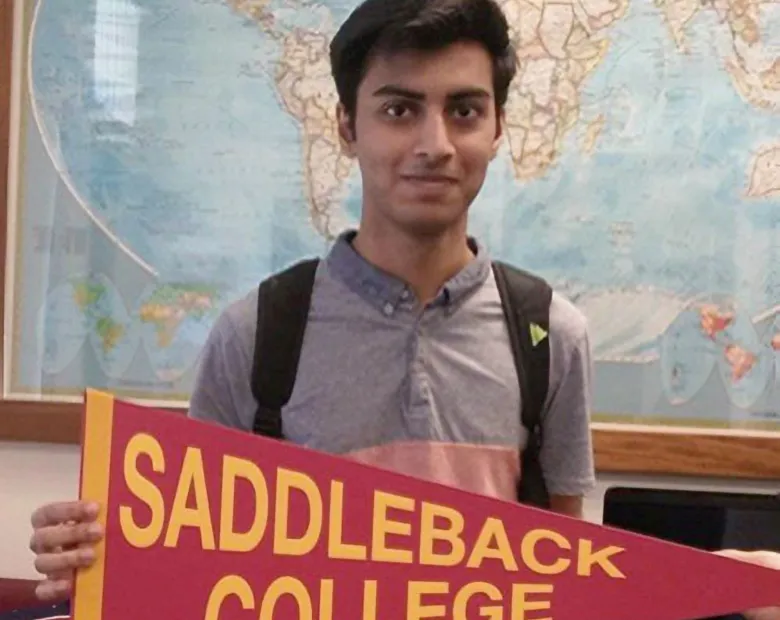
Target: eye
point(397, 109)
point(466, 111)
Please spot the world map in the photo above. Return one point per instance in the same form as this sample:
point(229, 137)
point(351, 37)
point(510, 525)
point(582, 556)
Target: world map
point(176, 152)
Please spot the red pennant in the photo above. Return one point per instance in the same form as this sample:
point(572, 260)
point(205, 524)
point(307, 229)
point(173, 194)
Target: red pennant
point(207, 522)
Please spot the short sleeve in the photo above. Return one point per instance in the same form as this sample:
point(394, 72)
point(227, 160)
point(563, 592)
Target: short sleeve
point(222, 392)
point(567, 450)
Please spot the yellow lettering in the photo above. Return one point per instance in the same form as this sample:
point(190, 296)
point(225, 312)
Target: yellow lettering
point(586, 559)
point(369, 600)
point(229, 540)
point(521, 604)
point(492, 532)
point(287, 585)
point(232, 584)
point(337, 548)
point(528, 552)
point(415, 608)
point(287, 480)
point(143, 489)
point(193, 478)
point(326, 600)
point(461, 603)
point(451, 534)
point(383, 525)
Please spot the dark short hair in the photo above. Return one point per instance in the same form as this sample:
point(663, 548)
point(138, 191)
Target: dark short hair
point(388, 26)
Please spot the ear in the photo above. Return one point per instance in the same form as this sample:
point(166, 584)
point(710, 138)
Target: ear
point(346, 135)
point(500, 120)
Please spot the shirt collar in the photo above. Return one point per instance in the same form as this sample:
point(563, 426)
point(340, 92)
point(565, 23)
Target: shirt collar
point(386, 292)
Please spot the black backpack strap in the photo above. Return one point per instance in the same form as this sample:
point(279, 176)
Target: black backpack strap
point(283, 302)
point(526, 302)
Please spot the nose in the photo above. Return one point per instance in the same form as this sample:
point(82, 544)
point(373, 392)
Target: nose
point(434, 141)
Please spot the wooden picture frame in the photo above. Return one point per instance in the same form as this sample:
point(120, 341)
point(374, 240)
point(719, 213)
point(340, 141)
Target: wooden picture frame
point(619, 448)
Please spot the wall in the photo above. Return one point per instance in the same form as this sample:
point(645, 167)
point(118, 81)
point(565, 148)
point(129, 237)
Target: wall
point(32, 474)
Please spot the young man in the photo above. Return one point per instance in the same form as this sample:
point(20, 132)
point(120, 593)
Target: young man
point(406, 361)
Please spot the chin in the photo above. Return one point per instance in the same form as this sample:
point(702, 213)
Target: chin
point(429, 225)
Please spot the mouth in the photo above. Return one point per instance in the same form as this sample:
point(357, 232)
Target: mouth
point(430, 179)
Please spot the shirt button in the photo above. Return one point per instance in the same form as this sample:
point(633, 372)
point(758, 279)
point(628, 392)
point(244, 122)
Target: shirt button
point(388, 309)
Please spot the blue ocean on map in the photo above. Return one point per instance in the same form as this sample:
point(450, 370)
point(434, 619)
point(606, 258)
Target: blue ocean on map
point(178, 153)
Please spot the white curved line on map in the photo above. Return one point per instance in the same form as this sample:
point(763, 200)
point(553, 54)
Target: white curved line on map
point(645, 313)
point(766, 314)
point(63, 174)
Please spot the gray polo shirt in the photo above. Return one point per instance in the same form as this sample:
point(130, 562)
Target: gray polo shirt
point(430, 392)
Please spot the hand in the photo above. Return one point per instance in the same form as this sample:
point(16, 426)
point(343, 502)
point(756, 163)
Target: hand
point(762, 558)
point(63, 537)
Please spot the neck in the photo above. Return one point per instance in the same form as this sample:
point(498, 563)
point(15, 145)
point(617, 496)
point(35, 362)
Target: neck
point(424, 263)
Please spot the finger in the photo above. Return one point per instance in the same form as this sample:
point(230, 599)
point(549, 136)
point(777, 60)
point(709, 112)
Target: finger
point(50, 538)
point(62, 512)
point(52, 563)
point(769, 559)
point(62, 575)
point(56, 590)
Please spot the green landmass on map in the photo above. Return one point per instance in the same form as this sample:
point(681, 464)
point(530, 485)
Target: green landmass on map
point(171, 304)
point(110, 332)
point(87, 293)
point(89, 296)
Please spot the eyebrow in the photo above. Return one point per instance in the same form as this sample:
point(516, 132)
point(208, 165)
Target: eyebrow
point(390, 90)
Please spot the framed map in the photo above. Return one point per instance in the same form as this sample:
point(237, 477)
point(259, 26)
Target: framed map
point(168, 155)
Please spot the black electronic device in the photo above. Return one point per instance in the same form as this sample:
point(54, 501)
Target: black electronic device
point(708, 520)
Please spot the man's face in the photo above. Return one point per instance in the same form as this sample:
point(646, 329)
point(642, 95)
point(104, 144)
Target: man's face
point(425, 132)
